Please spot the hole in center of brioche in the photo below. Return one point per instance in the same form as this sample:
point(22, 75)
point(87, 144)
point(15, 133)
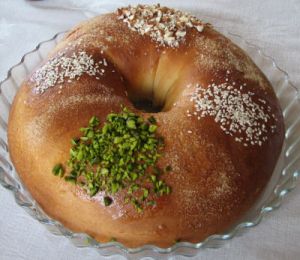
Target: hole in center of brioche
point(147, 105)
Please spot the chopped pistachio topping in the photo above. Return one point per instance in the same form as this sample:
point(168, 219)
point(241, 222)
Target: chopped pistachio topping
point(122, 155)
point(107, 201)
point(58, 170)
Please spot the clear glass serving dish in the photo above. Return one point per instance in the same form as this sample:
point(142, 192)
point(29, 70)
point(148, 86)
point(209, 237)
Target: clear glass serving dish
point(283, 179)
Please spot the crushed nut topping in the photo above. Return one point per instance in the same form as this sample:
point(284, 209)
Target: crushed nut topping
point(164, 25)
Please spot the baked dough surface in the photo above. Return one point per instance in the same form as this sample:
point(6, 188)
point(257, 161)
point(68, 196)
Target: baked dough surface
point(217, 171)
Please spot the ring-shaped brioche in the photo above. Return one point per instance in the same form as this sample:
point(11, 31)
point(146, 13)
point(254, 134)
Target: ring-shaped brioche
point(218, 169)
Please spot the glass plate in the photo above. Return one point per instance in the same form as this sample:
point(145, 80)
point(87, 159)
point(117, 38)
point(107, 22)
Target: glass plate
point(283, 179)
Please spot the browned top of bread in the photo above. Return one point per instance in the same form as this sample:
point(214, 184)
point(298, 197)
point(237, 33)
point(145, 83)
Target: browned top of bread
point(221, 122)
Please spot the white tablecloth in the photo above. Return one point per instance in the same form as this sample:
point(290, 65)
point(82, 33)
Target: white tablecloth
point(272, 25)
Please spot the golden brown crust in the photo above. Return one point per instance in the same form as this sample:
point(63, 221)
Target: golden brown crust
point(214, 178)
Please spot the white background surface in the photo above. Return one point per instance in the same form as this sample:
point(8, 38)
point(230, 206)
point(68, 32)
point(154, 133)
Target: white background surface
point(272, 25)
